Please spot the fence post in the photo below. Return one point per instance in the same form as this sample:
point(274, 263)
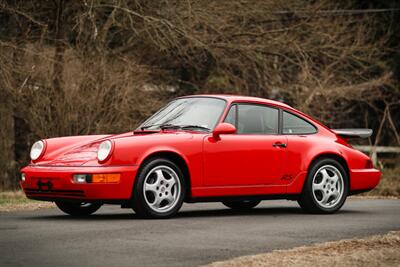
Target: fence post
point(374, 156)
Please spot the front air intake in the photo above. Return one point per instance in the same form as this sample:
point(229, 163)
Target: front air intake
point(30, 192)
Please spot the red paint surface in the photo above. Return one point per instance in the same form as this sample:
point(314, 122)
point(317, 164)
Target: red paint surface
point(223, 165)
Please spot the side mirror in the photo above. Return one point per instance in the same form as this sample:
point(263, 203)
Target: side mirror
point(223, 128)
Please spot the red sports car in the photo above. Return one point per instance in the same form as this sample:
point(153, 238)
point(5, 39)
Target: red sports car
point(234, 149)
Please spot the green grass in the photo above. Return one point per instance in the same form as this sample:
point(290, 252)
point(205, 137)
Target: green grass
point(15, 201)
point(13, 197)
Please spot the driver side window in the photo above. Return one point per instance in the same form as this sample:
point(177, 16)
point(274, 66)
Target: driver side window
point(254, 119)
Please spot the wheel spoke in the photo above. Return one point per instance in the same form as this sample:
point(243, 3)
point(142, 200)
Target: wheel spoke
point(150, 187)
point(335, 193)
point(170, 198)
point(171, 183)
point(335, 178)
point(325, 197)
point(318, 187)
point(160, 176)
point(325, 175)
point(157, 201)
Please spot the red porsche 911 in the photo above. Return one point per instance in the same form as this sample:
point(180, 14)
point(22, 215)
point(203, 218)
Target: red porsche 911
point(234, 149)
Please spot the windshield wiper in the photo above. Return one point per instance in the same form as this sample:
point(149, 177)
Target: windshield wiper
point(173, 126)
point(169, 126)
point(157, 125)
point(183, 127)
point(194, 127)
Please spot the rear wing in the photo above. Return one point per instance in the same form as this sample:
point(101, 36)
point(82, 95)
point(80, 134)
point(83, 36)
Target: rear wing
point(353, 133)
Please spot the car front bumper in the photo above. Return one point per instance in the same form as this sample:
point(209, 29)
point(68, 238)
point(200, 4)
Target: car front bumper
point(60, 179)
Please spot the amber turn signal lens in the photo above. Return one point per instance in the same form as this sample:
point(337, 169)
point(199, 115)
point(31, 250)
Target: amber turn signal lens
point(106, 178)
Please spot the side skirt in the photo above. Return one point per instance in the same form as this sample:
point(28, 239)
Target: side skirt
point(242, 198)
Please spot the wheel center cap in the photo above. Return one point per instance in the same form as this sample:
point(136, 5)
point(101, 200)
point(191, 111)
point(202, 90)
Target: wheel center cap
point(163, 189)
point(329, 186)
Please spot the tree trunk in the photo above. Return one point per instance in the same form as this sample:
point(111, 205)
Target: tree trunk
point(7, 141)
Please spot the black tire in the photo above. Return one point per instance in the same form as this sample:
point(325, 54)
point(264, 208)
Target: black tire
point(139, 204)
point(308, 201)
point(241, 205)
point(78, 208)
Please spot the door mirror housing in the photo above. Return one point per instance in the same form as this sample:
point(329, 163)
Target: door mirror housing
point(223, 128)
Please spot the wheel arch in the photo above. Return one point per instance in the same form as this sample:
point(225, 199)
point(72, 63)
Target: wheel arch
point(174, 157)
point(333, 156)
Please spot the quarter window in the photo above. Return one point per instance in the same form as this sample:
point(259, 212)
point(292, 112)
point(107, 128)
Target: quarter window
point(295, 125)
point(257, 119)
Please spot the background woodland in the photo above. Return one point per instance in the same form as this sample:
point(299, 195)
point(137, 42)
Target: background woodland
point(84, 67)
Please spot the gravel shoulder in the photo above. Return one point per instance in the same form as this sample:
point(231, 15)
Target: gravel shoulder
point(377, 250)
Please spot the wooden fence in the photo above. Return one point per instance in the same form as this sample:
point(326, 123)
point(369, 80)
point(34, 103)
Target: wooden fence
point(373, 151)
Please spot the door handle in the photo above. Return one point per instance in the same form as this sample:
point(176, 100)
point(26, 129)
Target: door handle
point(279, 144)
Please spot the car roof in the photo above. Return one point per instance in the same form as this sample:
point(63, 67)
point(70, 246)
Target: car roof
point(240, 98)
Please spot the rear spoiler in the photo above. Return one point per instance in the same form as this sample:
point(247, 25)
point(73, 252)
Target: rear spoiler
point(353, 133)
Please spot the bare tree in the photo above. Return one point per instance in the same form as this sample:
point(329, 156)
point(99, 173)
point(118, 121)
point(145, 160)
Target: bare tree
point(81, 67)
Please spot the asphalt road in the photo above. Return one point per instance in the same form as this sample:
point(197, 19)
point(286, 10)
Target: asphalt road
point(200, 234)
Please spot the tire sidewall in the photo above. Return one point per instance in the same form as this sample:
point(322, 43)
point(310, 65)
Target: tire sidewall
point(310, 177)
point(139, 203)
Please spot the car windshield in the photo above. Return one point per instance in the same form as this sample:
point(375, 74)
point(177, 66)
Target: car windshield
point(198, 113)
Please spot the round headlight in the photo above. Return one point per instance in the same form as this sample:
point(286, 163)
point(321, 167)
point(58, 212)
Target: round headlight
point(37, 150)
point(104, 151)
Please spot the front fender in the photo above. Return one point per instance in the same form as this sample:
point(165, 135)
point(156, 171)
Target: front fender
point(161, 149)
point(135, 150)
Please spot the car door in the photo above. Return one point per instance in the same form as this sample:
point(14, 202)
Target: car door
point(300, 134)
point(255, 155)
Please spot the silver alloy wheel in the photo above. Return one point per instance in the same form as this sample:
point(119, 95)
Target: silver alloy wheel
point(162, 188)
point(328, 186)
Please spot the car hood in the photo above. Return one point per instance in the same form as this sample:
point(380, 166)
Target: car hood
point(82, 150)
